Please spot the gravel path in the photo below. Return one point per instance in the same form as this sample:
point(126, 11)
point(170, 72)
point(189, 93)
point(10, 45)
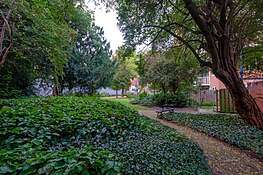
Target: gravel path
point(223, 158)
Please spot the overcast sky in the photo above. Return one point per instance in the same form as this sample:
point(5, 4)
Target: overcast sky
point(109, 23)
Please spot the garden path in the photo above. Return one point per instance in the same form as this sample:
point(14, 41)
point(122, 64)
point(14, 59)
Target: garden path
point(224, 159)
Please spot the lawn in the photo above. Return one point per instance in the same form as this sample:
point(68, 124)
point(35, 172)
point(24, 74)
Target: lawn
point(208, 107)
point(126, 101)
point(81, 135)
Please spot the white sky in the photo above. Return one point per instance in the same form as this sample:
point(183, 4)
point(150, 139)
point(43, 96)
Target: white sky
point(109, 23)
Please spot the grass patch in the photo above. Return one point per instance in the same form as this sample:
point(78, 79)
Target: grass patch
point(75, 135)
point(127, 102)
point(207, 107)
point(229, 128)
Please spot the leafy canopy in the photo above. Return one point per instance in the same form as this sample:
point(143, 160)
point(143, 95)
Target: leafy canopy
point(126, 69)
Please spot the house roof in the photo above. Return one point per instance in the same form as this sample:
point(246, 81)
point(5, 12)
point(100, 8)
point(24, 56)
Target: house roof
point(134, 82)
point(255, 74)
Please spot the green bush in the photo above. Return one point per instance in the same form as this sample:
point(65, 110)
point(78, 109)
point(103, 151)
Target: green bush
point(142, 95)
point(76, 135)
point(131, 95)
point(135, 101)
point(177, 100)
point(229, 128)
point(146, 101)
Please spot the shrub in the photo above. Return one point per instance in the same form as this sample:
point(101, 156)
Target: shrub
point(104, 94)
point(146, 101)
point(131, 95)
point(177, 100)
point(142, 95)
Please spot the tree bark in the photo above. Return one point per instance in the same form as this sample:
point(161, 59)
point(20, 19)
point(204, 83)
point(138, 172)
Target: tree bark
point(122, 92)
point(6, 25)
point(245, 104)
point(55, 91)
point(163, 88)
point(70, 86)
point(174, 88)
point(61, 82)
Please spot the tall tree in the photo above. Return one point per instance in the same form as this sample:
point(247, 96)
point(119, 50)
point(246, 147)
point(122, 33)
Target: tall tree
point(168, 72)
point(126, 69)
point(89, 66)
point(215, 31)
point(36, 35)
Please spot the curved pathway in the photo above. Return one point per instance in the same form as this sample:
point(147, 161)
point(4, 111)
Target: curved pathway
point(223, 158)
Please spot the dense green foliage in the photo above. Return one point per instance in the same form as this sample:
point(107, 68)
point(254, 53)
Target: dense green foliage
point(169, 71)
point(16, 80)
point(252, 58)
point(87, 135)
point(157, 150)
point(230, 128)
point(55, 42)
point(125, 70)
point(89, 65)
point(54, 135)
point(42, 32)
point(175, 100)
point(178, 100)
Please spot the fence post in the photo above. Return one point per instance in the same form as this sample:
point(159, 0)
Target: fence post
point(217, 100)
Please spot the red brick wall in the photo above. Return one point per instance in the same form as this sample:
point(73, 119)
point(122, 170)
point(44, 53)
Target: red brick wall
point(256, 90)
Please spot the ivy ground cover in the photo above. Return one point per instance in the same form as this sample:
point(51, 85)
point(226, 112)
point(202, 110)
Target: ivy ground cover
point(75, 135)
point(229, 128)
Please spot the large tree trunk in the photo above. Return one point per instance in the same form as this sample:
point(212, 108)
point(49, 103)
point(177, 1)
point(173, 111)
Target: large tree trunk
point(224, 43)
point(245, 104)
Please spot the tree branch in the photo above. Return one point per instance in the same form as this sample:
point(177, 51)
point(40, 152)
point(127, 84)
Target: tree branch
point(242, 6)
point(174, 6)
point(4, 26)
point(156, 36)
point(202, 62)
point(182, 26)
point(205, 31)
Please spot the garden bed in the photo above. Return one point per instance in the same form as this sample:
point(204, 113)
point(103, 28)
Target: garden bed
point(229, 128)
point(74, 135)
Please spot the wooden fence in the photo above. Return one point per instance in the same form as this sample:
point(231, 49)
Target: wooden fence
point(204, 97)
point(225, 102)
point(220, 99)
